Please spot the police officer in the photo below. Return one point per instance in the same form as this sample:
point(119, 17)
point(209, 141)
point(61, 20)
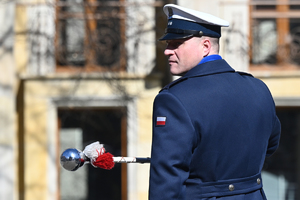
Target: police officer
point(213, 127)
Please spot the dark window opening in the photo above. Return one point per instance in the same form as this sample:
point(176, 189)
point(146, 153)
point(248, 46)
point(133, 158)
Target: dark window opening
point(80, 128)
point(284, 165)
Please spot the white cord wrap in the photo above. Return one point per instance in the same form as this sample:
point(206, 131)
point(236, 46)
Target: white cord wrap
point(93, 151)
point(124, 159)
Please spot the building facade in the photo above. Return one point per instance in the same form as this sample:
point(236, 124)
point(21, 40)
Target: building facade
point(75, 72)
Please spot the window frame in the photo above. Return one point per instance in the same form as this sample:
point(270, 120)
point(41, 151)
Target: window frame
point(123, 139)
point(91, 17)
point(282, 14)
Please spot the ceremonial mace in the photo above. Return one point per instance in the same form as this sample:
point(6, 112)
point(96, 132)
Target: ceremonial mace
point(72, 159)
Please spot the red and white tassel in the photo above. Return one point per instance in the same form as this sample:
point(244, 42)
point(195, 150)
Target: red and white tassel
point(96, 153)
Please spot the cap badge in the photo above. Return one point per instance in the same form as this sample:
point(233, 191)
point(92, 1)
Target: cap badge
point(200, 34)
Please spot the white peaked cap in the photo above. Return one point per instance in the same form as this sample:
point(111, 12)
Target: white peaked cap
point(185, 22)
point(194, 15)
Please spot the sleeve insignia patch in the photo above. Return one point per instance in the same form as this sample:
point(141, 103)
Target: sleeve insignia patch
point(161, 121)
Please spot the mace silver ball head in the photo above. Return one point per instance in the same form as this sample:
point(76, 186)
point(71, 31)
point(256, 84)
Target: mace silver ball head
point(72, 159)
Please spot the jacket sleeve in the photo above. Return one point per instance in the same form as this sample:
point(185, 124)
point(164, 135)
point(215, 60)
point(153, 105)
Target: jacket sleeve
point(275, 137)
point(172, 145)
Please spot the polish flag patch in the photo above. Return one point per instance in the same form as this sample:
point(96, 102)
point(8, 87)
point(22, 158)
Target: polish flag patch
point(161, 121)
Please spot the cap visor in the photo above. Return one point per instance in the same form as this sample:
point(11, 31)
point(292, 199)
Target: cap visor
point(174, 36)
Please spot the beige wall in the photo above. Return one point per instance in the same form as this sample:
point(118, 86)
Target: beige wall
point(284, 86)
point(43, 94)
point(8, 154)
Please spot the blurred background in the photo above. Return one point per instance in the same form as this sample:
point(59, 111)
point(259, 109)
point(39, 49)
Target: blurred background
point(78, 71)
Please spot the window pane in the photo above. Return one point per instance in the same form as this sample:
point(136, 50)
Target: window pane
point(264, 1)
point(107, 36)
point(295, 40)
point(70, 38)
point(294, 7)
point(73, 6)
point(294, 4)
point(72, 138)
point(265, 7)
point(71, 42)
point(90, 34)
point(264, 41)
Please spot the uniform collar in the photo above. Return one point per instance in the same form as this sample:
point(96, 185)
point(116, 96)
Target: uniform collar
point(209, 66)
point(210, 58)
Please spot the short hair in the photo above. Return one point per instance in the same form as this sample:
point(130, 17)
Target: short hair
point(214, 43)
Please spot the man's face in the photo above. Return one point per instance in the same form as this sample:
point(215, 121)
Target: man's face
point(183, 54)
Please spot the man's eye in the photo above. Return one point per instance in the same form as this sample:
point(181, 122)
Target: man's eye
point(174, 43)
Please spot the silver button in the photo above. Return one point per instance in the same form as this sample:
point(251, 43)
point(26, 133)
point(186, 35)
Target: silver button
point(231, 187)
point(258, 181)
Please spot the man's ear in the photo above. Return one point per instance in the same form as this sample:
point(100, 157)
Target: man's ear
point(206, 47)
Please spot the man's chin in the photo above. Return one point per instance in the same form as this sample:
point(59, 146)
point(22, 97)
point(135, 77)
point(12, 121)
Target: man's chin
point(173, 70)
point(176, 73)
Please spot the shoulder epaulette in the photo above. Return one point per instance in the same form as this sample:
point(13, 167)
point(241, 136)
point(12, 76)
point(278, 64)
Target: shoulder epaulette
point(244, 73)
point(173, 83)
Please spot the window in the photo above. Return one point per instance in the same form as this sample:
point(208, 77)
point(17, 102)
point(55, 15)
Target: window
point(89, 35)
point(275, 34)
point(79, 128)
point(281, 170)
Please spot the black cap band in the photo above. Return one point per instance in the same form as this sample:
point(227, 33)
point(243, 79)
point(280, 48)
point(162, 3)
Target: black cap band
point(180, 29)
point(185, 32)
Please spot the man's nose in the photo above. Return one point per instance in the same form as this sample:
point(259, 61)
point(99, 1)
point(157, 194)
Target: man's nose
point(168, 51)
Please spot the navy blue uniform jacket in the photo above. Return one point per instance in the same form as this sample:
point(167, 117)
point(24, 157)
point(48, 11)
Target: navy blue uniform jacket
point(212, 130)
